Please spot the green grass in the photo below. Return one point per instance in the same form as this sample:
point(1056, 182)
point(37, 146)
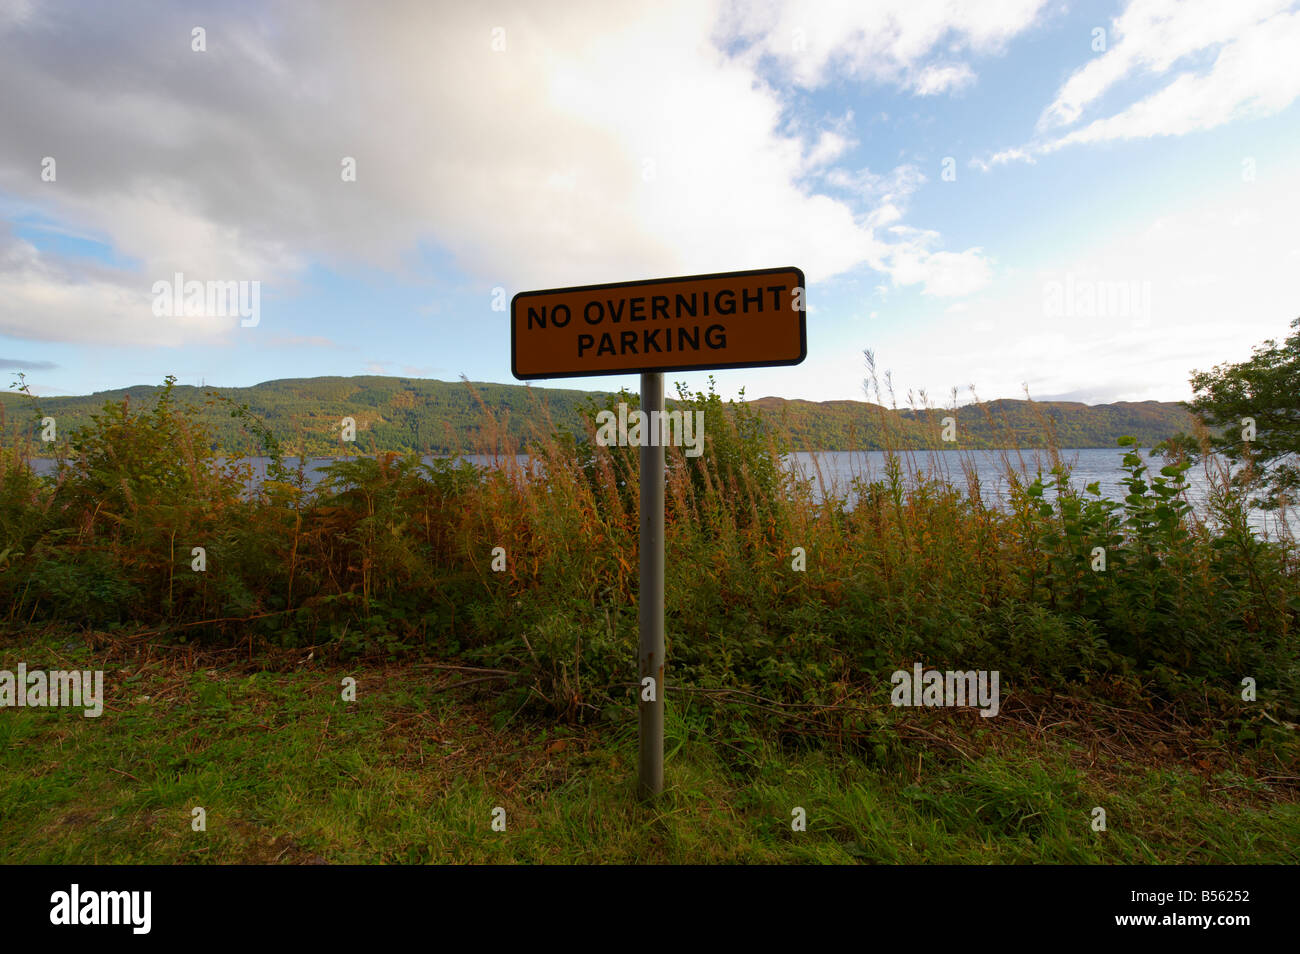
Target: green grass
point(290, 773)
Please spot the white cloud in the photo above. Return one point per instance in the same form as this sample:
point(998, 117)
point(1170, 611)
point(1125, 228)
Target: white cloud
point(1241, 63)
point(47, 298)
point(942, 79)
point(1255, 70)
point(875, 187)
point(885, 41)
point(550, 163)
point(301, 341)
point(1002, 158)
point(912, 261)
point(829, 147)
point(945, 274)
point(1223, 275)
point(13, 12)
point(1256, 74)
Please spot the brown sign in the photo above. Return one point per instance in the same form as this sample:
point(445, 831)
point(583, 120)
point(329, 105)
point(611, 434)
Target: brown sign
point(731, 320)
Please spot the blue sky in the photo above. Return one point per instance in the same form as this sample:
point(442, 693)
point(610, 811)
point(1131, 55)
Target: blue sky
point(1142, 153)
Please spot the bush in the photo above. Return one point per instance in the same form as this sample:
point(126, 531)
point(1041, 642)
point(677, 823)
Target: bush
point(388, 556)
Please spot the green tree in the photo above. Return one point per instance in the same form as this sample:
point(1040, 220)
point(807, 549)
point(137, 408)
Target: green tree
point(1265, 389)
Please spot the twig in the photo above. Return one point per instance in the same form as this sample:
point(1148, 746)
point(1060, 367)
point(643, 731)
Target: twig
point(323, 735)
point(205, 622)
point(500, 672)
point(470, 682)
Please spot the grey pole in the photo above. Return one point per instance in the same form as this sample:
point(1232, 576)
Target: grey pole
point(650, 771)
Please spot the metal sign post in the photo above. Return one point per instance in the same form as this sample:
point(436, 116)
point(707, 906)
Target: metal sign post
point(650, 771)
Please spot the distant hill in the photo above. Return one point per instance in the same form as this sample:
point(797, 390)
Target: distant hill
point(440, 417)
point(837, 425)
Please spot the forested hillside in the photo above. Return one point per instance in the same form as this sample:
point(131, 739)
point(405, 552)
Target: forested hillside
point(440, 417)
point(839, 425)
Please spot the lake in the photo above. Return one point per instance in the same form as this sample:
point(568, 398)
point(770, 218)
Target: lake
point(839, 468)
point(1100, 464)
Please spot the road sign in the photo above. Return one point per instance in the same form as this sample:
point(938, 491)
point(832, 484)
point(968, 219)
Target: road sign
point(729, 320)
point(700, 322)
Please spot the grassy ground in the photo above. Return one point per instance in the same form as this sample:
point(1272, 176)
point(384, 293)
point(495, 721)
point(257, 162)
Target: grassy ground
point(411, 771)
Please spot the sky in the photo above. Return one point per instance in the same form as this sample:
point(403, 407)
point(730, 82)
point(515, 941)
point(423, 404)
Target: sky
point(1078, 201)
